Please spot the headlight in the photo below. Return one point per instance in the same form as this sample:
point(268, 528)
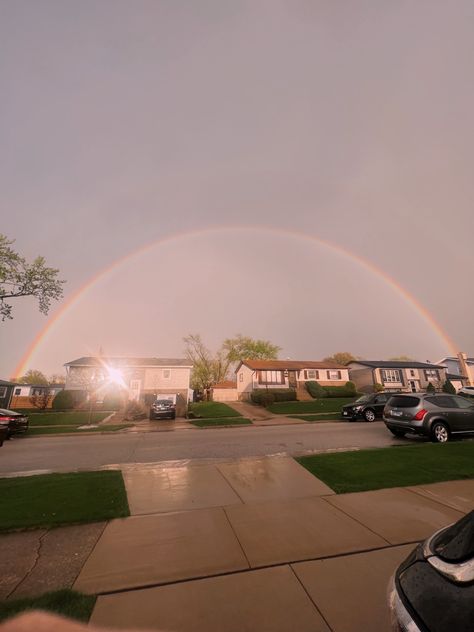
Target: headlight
point(400, 618)
point(357, 408)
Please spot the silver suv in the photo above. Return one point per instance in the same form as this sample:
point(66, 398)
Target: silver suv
point(437, 416)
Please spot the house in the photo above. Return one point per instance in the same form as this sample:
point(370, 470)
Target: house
point(293, 374)
point(225, 391)
point(6, 392)
point(406, 376)
point(22, 394)
point(460, 369)
point(141, 379)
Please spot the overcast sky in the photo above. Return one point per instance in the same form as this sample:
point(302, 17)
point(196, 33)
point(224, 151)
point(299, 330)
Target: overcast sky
point(124, 122)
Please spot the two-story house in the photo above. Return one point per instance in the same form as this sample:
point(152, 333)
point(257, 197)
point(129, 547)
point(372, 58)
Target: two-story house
point(142, 379)
point(268, 374)
point(406, 376)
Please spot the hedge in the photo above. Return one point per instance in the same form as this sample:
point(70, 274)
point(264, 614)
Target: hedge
point(265, 397)
point(317, 391)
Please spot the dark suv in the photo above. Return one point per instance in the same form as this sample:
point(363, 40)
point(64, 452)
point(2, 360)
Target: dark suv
point(437, 416)
point(163, 409)
point(367, 407)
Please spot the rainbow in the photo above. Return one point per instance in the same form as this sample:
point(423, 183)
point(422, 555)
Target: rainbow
point(365, 263)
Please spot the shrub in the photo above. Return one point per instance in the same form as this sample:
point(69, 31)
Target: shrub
point(350, 386)
point(284, 394)
point(64, 400)
point(112, 401)
point(378, 387)
point(430, 388)
point(449, 388)
point(340, 391)
point(262, 397)
point(134, 410)
point(315, 389)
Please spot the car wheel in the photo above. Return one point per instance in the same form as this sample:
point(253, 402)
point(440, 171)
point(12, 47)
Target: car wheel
point(439, 432)
point(398, 433)
point(369, 414)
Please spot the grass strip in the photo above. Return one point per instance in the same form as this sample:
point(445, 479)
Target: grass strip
point(392, 467)
point(319, 417)
point(212, 410)
point(55, 499)
point(325, 405)
point(65, 419)
point(226, 421)
point(48, 430)
point(67, 603)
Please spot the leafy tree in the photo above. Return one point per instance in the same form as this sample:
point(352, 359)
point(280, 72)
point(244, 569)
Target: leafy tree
point(378, 387)
point(33, 376)
point(20, 278)
point(341, 357)
point(448, 388)
point(430, 388)
point(246, 348)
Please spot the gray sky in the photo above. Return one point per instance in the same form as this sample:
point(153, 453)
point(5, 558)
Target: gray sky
point(123, 122)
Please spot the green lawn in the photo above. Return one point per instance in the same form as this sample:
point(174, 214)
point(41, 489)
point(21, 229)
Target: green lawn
point(62, 419)
point(53, 499)
point(67, 603)
point(213, 410)
point(325, 405)
point(224, 421)
point(319, 417)
point(48, 430)
point(392, 467)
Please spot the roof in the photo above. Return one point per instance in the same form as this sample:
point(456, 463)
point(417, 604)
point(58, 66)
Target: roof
point(128, 361)
point(282, 365)
point(455, 376)
point(225, 384)
point(396, 364)
point(456, 359)
point(6, 383)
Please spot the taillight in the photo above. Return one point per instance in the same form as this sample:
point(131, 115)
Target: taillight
point(420, 414)
point(7, 418)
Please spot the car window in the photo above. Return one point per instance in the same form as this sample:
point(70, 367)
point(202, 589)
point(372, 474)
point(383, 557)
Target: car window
point(362, 400)
point(381, 399)
point(404, 401)
point(442, 401)
point(463, 403)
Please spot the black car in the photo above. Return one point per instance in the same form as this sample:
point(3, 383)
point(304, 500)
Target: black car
point(367, 407)
point(433, 589)
point(13, 422)
point(438, 416)
point(163, 409)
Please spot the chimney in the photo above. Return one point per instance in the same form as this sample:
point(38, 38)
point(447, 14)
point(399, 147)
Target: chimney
point(465, 369)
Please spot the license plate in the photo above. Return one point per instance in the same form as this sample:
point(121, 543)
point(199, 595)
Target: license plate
point(344, 412)
point(396, 413)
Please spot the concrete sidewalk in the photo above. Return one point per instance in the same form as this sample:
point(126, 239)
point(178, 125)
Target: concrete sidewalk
point(245, 545)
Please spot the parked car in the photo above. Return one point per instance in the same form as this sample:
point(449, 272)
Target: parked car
point(433, 589)
point(437, 416)
point(367, 407)
point(163, 409)
point(13, 422)
point(467, 391)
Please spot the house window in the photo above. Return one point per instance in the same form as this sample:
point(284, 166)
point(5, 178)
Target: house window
point(334, 375)
point(311, 374)
point(391, 375)
point(241, 377)
point(166, 374)
point(3, 391)
point(270, 377)
point(431, 375)
point(412, 373)
point(17, 391)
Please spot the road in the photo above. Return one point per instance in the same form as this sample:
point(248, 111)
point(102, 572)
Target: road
point(61, 454)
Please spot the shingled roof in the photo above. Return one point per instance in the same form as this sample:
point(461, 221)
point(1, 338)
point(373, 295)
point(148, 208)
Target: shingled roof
point(397, 364)
point(283, 365)
point(121, 361)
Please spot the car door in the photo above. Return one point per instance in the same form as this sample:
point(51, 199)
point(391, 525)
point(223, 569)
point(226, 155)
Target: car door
point(379, 404)
point(466, 407)
point(449, 410)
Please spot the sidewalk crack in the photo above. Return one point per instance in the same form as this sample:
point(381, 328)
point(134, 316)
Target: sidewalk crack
point(33, 566)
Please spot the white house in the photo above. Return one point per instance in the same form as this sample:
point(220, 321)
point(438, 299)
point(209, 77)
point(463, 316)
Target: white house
point(268, 374)
point(141, 379)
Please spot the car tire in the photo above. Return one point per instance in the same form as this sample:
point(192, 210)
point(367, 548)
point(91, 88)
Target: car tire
point(369, 414)
point(398, 433)
point(439, 432)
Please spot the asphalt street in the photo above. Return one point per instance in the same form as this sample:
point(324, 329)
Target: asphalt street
point(58, 453)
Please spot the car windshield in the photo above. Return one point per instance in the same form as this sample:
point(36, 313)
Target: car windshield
point(362, 400)
point(164, 402)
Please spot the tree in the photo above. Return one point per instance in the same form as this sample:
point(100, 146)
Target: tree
point(42, 399)
point(341, 357)
point(20, 278)
point(246, 348)
point(430, 388)
point(448, 388)
point(33, 376)
point(401, 358)
point(57, 378)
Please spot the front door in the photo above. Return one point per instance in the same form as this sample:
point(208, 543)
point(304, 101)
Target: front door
point(135, 388)
point(292, 379)
point(413, 386)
